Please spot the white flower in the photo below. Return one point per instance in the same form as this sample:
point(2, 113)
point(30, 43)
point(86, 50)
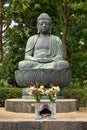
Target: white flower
point(31, 88)
point(58, 88)
point(47, 91)
point(30, 93)
point(42, 86)
point(33, 104)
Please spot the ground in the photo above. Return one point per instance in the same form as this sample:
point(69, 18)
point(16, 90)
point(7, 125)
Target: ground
point(80, 115)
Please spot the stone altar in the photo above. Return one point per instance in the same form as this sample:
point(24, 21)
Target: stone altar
point(27, 105)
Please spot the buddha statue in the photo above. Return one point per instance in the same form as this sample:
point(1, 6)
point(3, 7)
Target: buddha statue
point(44, 52)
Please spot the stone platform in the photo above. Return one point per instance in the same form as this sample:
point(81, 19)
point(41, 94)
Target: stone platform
point(25, 121)
point(28, 105)
point(43, 77)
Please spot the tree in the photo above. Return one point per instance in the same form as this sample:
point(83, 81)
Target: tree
point(67, 9)
point(77, 33)
point(1, 52)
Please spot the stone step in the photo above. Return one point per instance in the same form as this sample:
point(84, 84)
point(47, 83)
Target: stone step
point(28, 105)
point(43, 125)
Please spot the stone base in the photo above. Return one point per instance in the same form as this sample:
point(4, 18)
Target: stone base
point(43, 77)
point(28, 106)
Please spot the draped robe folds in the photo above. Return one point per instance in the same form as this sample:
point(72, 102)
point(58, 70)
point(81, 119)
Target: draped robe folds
point(55, 50)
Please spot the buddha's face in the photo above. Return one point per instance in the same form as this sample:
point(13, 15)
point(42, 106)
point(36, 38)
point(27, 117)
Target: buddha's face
point(44, 26)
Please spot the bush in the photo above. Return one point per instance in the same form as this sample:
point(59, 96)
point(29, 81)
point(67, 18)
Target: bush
point(4, 83)
point(78, 63)
point(80, 94)
point(7, 93)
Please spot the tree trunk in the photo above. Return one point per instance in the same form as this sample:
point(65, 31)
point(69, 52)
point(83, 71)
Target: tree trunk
point(1, 50)
point(64, 38)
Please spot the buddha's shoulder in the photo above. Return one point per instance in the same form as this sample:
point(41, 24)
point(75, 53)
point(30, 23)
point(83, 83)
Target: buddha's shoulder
point(55, 37)
point(32, 37)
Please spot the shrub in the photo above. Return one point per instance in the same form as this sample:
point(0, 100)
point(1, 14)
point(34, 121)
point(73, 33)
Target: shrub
point(78, 63)
point(80, 94)
point(4, 83)
point(7, 93)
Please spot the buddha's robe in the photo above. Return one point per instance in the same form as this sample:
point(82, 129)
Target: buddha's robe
point(47, 59)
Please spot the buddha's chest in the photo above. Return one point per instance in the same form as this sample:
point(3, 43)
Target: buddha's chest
point(43, 43)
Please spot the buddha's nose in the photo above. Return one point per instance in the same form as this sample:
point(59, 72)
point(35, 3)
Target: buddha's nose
point(44, 24)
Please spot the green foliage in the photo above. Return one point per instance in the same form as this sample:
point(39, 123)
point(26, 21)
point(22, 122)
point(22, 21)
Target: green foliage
point(79, 5)
point(80, 94)
point(4, 83)
point(14, 50)
point(78, 63)
point(7, 93)
point(1, 70)
point(77, 33)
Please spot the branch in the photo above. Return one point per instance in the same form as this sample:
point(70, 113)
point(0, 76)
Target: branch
point(63, 15)
point(68, 9)
point(9, 21)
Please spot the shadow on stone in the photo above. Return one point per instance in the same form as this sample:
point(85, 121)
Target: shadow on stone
point(45, 112)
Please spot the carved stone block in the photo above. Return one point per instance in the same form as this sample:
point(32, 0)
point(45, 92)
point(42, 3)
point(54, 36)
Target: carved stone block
point(45, 111)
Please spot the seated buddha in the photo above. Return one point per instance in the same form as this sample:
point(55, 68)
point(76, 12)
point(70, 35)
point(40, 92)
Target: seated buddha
point(43, 50)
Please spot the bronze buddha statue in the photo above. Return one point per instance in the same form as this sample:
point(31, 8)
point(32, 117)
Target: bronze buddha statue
point(43, 61)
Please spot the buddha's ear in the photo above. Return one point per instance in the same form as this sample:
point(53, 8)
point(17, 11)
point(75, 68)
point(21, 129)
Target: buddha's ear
point(50, 29)
point(38, 29)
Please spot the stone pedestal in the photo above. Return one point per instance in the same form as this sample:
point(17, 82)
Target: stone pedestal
point(44, 77)
point(45, 111)
point(28, 105)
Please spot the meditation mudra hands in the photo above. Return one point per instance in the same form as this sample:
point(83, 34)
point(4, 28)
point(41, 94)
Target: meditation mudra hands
point(40, 60)
point(44, 60)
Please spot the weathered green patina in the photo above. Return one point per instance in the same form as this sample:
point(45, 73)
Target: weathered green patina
point(43, 50)
point(43, 61)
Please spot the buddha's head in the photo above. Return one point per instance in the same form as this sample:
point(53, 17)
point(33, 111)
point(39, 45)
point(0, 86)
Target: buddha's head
point(44, 23)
